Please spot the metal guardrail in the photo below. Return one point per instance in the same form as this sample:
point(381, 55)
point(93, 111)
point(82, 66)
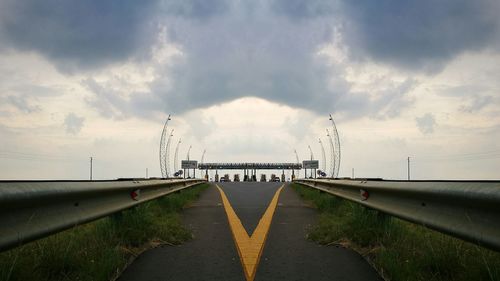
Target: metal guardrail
point(34, 209)
point(469, 210)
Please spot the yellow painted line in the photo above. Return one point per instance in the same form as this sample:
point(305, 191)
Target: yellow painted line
point(250, 247)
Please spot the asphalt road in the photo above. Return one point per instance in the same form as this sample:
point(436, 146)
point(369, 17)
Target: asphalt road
point(286, 254)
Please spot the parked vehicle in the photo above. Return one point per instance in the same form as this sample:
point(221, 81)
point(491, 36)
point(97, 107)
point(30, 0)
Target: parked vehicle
point(274, 178)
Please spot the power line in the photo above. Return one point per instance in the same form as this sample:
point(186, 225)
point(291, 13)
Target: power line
point(408, 168)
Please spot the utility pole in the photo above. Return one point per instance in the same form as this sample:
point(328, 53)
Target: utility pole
point(91, 159)
point(146, 172)
point(408, 168)
point(352, 173)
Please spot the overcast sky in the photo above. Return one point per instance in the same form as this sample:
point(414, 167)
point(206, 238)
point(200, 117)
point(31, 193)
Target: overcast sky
point(249, 81)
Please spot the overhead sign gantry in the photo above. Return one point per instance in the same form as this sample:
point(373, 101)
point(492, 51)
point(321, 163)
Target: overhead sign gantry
point(243, 166)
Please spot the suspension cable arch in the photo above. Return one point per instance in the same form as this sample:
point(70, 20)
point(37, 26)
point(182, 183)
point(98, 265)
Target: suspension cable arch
point(163, 149)
point(336, 138)
point(332, 154)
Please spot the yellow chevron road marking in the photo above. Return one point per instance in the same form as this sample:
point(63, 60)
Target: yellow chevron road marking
point(250, 247)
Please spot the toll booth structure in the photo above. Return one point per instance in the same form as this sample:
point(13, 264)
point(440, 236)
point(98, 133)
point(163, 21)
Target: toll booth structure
point(250, 169)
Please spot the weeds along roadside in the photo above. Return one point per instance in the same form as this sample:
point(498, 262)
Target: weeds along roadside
point(101, 249)
point(399, 250)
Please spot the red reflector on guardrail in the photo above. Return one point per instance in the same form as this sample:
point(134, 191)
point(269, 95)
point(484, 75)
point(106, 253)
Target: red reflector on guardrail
point(135, 194)
point(364, 194)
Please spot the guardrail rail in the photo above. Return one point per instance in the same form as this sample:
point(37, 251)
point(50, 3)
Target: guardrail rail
point(34, 209)
point(469, 210)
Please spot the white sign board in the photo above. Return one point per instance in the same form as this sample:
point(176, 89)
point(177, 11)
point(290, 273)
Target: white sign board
point(310, 164)
point(189, 164)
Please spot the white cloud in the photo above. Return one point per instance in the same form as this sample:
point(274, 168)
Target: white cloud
point(426, 123)
point(73, 123)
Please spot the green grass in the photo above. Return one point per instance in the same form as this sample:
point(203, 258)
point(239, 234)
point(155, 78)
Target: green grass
point(100, 250)
point(399, 250)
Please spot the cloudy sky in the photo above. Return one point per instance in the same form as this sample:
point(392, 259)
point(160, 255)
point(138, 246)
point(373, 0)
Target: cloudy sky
point(249, 81)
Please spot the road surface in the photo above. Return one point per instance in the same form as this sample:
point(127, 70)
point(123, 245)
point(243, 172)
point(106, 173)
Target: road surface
point(249, 231)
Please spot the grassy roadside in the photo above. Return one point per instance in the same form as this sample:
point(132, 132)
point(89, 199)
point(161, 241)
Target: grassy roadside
point(399, 250)
point(100, 250)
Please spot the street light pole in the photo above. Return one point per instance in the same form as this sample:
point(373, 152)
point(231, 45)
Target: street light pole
point(203, 156)
point(176, 157)
point(323, 156)
point(167, 154)
point(187, 156)
point(189, 150)
point(332, 153)
point(310, 150)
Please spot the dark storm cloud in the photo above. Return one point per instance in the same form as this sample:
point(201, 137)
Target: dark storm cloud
point(302, 9)
point(75, 34)
point(233, 49)
point(249, 51)
point(419, 35)
point(266, 49)
point(197, 9)
point(217, 78)
point(82, 35)
point(245, 49)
